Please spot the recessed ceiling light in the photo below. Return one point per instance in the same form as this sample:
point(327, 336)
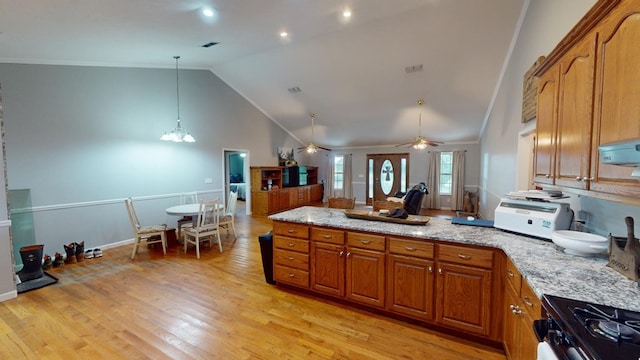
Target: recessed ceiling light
point(346, 13)
point(284, 34)
point(207, 12)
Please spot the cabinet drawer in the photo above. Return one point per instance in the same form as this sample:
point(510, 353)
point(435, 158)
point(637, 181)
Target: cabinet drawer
point(421, 249)
point(466, 255)
point(288, 229)
point(530, 302)
point(327, 235)
point(291, 276)
point(291, 258)
point(365, 241)
point(292, 244)
point(513, 276)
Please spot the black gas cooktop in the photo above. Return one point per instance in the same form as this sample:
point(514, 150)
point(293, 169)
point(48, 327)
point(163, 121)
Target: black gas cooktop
point(597, 331)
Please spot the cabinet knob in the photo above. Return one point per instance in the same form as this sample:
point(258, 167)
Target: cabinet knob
point(430, 269)
point(510, 273)
point(440, 271)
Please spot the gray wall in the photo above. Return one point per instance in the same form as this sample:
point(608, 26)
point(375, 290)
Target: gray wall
point(545, 24)
point(82, 139)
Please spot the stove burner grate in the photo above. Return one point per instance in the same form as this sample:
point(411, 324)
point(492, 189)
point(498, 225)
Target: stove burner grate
point(608, 325)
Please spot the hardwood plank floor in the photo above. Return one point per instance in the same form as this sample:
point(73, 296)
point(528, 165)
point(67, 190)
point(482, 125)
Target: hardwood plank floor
point(218, 307)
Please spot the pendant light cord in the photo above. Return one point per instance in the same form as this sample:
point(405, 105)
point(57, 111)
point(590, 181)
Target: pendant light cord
point(177, 88)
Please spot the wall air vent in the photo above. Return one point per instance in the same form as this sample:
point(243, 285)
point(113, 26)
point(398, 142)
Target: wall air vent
point(295, 89)
point(210, 44)
point(413, 68)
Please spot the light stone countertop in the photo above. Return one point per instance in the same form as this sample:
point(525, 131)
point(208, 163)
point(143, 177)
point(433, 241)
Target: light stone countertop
point(546, 268)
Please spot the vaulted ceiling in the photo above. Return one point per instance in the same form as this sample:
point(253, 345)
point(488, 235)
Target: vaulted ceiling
point(361, 76)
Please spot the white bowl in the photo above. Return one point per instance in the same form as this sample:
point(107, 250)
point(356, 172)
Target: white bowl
point(580, 243)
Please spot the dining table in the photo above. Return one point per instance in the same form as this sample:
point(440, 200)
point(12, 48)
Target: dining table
point(187, 210)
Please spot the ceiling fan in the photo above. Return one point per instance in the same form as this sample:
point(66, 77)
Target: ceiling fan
point(312, 147)
point(420, 142)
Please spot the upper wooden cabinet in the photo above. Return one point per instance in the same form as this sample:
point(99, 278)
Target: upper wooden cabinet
point(587, 96)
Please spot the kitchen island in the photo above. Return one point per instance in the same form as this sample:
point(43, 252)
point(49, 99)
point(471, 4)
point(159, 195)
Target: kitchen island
point(547, 269)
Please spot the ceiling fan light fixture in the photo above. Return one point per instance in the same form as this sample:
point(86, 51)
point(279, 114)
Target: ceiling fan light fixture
point(312, 148)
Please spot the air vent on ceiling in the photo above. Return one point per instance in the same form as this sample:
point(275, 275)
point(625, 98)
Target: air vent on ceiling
point(210, 44)
point(413, 68)
point(294, 89)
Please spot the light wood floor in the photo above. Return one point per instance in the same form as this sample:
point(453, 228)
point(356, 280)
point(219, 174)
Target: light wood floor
point(218, 307)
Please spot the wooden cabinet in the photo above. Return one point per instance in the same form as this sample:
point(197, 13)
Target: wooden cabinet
point(351, 269)
point(595, 75)
point(438, 283)
point(410, 278)
point(291, 254)
point(575, 109)
point(617, 110)
point(266, 199)
point(327, 261)
point(545, 126)
point(365, 268)
point(464, 289)
point(521, 307)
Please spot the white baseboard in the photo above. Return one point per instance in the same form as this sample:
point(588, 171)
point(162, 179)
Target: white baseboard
point(9, 295)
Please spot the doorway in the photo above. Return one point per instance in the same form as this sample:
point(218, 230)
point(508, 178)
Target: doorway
point(386, 175)
point(237, 175)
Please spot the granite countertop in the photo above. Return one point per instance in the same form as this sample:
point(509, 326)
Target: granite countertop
point(546, 268)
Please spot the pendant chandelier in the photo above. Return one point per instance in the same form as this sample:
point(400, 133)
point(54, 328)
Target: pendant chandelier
point(178, 134)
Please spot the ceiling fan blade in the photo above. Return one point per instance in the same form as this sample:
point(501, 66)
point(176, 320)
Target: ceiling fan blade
point(409, 143)
point(324, 148)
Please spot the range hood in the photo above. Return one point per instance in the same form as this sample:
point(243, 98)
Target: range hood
point(623, 153)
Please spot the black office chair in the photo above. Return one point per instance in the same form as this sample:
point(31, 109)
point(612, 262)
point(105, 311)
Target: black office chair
point(413, 200)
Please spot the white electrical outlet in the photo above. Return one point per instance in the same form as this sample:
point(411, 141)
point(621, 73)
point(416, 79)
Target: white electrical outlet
point(208, 181)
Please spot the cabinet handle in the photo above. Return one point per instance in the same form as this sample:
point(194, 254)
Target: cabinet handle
point(578, 178)
point(291, 244)
point(290, 258)
point(516, 310)
point(440, 271)
point(430, 269)
point(292, 275)
point(510, 273)
point(348, 254)
point(341, 253)
point(327, 236)
point(590, 179)
point(365, 241)
point(547, 176)
point(291, 231)
point(526, 301)
point(465, 257)
point(409, 248)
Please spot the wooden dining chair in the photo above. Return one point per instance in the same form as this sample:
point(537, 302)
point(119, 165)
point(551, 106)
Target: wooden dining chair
point(186, 221)
point(227, 221)
point(207, 226)
point(342, 203)
point(148, 234)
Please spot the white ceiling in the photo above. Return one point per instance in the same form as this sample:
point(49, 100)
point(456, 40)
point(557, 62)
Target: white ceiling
point(351, 73)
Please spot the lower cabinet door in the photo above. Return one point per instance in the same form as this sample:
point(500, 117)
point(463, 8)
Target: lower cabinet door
point(327, 268)
point(365, 276)
point(464, 298)
point(410, 284)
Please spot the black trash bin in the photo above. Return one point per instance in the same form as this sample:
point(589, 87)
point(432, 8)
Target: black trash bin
point(266, 249)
